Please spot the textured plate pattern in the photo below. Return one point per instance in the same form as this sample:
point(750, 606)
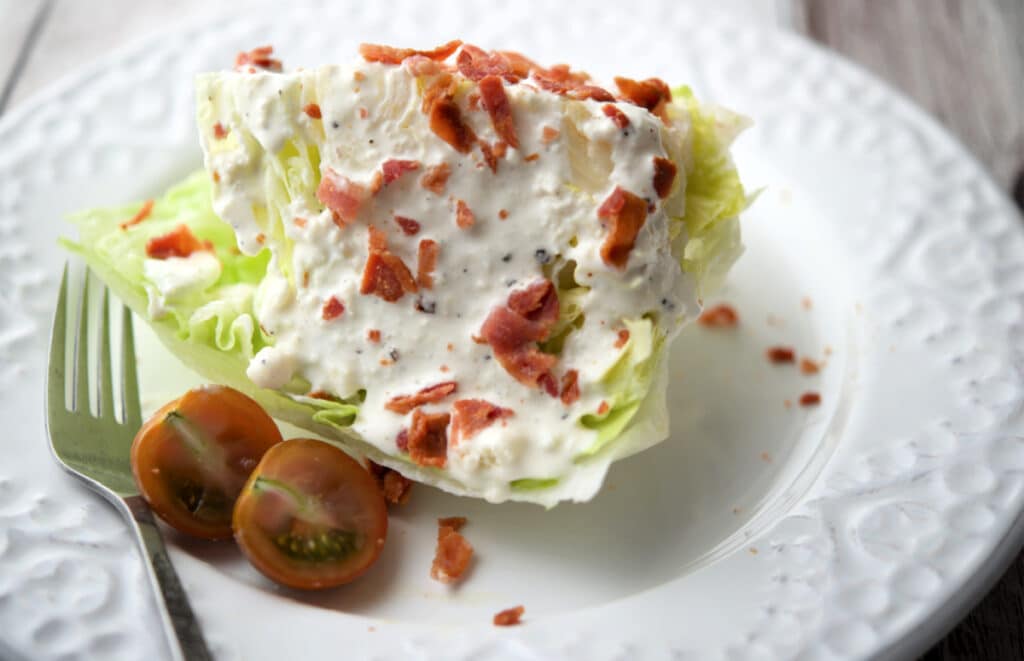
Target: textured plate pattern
point(927, 477)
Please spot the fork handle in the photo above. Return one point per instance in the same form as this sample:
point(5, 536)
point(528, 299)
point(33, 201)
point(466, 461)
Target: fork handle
point(184, 635)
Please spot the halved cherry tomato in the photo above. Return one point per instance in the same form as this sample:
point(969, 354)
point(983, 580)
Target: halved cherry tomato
point(192, 458)
point(310, 516)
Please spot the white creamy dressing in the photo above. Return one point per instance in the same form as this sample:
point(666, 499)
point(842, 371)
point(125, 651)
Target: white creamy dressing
point(551, 207)
point(167, 280)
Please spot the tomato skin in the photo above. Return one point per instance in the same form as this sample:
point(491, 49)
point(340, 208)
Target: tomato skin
point(190, 460)
point(310, 517)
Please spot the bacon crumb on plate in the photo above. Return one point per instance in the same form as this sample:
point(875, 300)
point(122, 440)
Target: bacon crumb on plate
point(456, 523)
point(395, 486)
point(810, 399)
point(808, 366)
point(509, 617)
point(452, 556)
point(780, 355)
point(722, 315)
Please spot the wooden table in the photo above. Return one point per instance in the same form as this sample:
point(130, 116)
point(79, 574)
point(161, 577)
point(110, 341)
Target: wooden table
point(963, 60)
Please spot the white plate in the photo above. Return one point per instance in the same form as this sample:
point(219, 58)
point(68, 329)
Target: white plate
point(864, 526)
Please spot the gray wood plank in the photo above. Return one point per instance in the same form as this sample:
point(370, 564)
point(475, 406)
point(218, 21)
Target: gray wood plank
point(16, 24)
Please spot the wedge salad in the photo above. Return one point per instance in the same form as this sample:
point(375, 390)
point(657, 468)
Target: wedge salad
point(462, 264)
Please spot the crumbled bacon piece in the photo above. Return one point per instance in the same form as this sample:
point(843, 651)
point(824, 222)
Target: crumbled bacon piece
point(559, 78)
point(464, 217)
point(395, 486)
point(618, 117)
point(652, 94)
point(529, 158)
point(447, 123)
point(395, 168)
point(426, 261)
point(436, 178)
point(219, 132)
point(509, 617)
point(430, 395)
point(495, 102)
point(442, 86)
point(549, 134)
point(602, 408)
point(391, 55)
point(373, 335)
point(385, 274)
point(313, 110)
point(180, 242)
point(332, 309)
point(475, 63)
point(363, 112)
point(409, 226)
point(810, 399)
point(299, 221)
point(570, 387)
point(664, 176)
point(421, 65)
point(428, 442)
point(402, 440)
point(719, 316)
point(627, 213)
point(622, 338)
point(779, 355)
point(140, 215)
point(808, 366)
point(503, 214)
point(470, 416)
point(342, 196)
point(520, 64)
point(490, 158)
point(593, 92)
point(456, 523)
point(257, 57)
point(513, 330)
point(452, 557)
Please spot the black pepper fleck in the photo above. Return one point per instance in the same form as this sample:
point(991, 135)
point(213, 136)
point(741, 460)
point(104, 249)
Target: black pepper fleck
point(429, 307)
point(394, 354)
point(334, 125)
point(509, 283)
point(667, 304)
point(507, 257)
point(371, 141)
point(542, 256)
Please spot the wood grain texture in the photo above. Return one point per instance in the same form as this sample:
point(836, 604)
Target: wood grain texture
point(963, 61)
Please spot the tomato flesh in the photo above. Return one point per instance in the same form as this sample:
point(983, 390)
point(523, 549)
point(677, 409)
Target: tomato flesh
point(192, 457)
point(310, 516)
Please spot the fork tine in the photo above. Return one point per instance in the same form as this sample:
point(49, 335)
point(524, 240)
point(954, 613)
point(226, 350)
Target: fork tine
point(129, 374)
point(80, 401)
point(55, 382)
point(105, 406)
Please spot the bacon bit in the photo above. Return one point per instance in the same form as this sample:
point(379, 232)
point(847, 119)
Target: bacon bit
point(456, 523)
point(720, 316)
point(808, 366)
point(779, 355)
point(559, 79)
point(385, 274)
point(473, 101)
point(593, 92)
point(509, 617)
point(452, 557)
point(299, 222)
point(446, 122)
point(420, 65)
point(664, 176)
point(618, 117)
point(810, 399)
point(402, 440)
point(426, 261)
point(503, 214)
point(219, 132)
point(570, 387)
point(373, 335)
point(215, 176)
point(602, 407)
point(178, 243)
point(333, 308)
point(395, 486)
point(489, 156)
point(140, 215)
point(549, 134)
point(622, 339)
point(806, 303)
point(428, 444)
point(403, 404)
point(476, 64)
point(442, 86)
point(436, 178)
point(477, 339)
point(363, 113)
point(529, 158)
point(520, 64)
point(257, 57)
point(394, 168)
point(409, 226)
point(627, 214)
point(261, 238)
point(450, 347)
point(359, 76)
point(391, 55)
point(313, 110)
point(342, 196)
point(652, 94)
point(513, 330)
point(464, 217)
point(305, 278)
point(470, 416)
point(495, 102)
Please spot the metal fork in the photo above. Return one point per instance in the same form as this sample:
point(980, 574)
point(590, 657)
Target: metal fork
point(94, 448)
